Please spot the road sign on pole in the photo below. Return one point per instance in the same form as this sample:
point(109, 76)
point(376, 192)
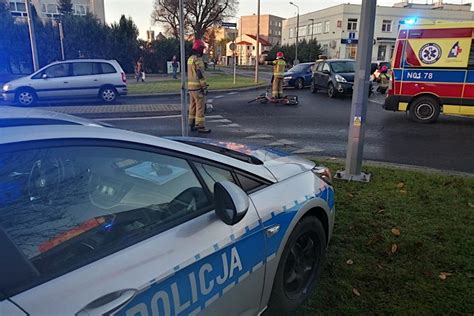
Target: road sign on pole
point(228, 24)
point(184, 101)
point(355, 144)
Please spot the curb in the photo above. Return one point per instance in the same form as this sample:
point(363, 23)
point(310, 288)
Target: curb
point(172, 94)
point(392, 165)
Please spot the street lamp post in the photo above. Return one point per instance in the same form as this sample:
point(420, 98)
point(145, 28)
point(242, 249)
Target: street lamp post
point(31, 28)
point(184, 101)
point(257, 57)
point(312, 33)
point(296, 61)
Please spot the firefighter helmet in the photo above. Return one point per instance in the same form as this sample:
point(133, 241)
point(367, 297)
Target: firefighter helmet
point(199, 45)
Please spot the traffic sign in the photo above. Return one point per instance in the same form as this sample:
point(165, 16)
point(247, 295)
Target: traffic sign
point(232, 46)
point(228, 24)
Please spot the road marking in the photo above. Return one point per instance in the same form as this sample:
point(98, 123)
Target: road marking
point(218, 97)
point(259, 136)
point(230, 125)
point(282, 142)
point(210, 101)
point(221, 121)
point(377, 101)
point(308, 149)
point(150, 118)
point(231, 93)
point(137, 118)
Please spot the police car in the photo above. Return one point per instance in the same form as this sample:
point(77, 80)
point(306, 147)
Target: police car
point(96, 220)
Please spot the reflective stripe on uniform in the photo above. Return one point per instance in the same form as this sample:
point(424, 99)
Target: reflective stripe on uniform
point(279, 68)
point(194, 64)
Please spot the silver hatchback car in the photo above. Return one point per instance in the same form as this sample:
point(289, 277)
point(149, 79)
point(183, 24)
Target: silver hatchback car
point(101, 221)
point(81, 78)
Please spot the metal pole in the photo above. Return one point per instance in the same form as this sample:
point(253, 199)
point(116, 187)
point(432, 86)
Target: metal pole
point(235, 56)
point(312, 29)
point(296, 61)
point(184, 101)
point(31, 28)
point(257, 57)
point(61, 37)
point(355, 145)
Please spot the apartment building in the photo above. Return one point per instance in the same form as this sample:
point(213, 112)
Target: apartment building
point(270, 27)
point(337, 28)
point(48, 9)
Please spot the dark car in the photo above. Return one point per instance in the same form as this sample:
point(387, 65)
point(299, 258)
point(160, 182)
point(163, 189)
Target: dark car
point(336, 76)
point(299, 76)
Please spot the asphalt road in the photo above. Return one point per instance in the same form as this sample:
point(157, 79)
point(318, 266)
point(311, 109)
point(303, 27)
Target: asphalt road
point(319, 126)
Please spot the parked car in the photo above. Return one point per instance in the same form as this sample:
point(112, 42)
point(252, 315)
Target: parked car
point(298, 76)
point(336, 76)
point(81, 78)
point(107, 221)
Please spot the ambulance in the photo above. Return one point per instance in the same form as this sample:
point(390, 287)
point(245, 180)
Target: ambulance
point(433, 70)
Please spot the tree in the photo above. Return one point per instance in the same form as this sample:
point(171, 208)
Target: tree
point(125, 46)
point(308, 51)
point(65, 6)
point(200, 15)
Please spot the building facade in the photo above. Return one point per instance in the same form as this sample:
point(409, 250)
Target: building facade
point(246, 50)
point(48, 9)
point(270, 27)
point(337, 28)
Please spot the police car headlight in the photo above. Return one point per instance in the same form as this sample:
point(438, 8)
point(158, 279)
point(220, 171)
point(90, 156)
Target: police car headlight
point(340, 78)
point(7, 87)
point(323, 173)
point(288, 78)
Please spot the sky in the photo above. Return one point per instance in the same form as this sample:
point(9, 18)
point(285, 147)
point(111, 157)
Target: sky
point(140, 10)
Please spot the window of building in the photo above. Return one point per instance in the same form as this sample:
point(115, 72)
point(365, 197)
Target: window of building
point(327, 26)
point(382, 51)
point(52, 8)
point(351, 51)
point(352, 25)
point(387, 26)
point(392, 51)
point(302, 31)
point(18, 6)
point(318, 28)
point(279, 24)
point(292, 32)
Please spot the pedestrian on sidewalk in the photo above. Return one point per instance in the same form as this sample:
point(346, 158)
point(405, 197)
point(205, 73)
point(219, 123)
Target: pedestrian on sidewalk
point(197, 88)
point(140, 70)
point(175, 65)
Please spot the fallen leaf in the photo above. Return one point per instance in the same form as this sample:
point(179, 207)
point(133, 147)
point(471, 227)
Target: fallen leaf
point(380, 211)
point(356, 292)
point(444, 275)
point(350, 195)
point(401, 185)
point(471, 204)
point(396, 232)
point(394, 248)
point(403, 191)
point(350, 262)
point(380, 266)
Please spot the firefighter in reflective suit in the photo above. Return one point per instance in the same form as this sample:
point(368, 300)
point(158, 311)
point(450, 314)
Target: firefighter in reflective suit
point(197, 88)
point(278, 73)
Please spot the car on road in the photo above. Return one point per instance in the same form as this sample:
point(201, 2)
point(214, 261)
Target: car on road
point(336, 76)
point(298, 76)
point(108, 221)
point(69, 79)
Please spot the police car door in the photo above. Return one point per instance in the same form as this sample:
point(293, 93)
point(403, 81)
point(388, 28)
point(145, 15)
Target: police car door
point(99, 228)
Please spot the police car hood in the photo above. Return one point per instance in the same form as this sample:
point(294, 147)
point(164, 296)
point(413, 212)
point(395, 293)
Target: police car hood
point(280, 163)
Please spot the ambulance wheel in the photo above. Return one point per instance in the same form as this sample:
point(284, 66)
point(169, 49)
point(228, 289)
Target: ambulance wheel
point(299, 267)
point(424, 110)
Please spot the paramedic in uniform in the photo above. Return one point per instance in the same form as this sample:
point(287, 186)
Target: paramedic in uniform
point(197, 88)
point(278, 73)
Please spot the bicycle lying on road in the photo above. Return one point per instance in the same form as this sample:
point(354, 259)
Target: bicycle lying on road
point(267, 98)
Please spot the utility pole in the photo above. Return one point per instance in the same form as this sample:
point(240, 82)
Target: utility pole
point(355, 144)
point(184, 101)
point(257, 58)
point(31, 28)
point(296, 61)
point(61, 37)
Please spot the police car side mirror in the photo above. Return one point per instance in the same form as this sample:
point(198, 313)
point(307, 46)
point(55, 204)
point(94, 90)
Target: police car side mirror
point(230, 201)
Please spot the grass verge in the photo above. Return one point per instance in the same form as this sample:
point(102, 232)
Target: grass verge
point(402, 244)
point(216, 81)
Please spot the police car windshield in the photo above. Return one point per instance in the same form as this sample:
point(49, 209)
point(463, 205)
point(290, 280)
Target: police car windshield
point(343, 66)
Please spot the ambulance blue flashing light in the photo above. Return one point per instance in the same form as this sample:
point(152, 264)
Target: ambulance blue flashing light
point(409, 21)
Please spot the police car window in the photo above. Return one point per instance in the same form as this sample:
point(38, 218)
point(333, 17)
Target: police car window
point(66, 207)
point(249, 184)
point(212, 174)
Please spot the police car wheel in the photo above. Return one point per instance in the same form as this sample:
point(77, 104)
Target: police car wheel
point(299, 267)
point(424, 110)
